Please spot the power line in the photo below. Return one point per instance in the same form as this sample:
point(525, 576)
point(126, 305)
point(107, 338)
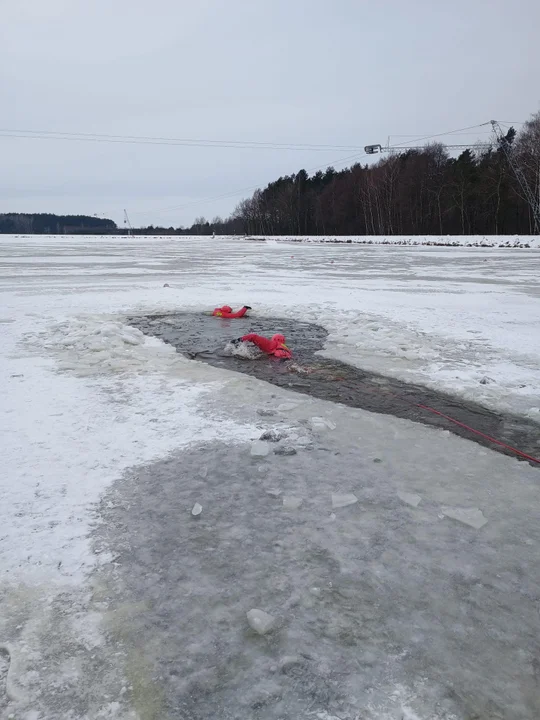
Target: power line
point(448, 132)
point(191, 142)
point(184, 142)
point(454, 134)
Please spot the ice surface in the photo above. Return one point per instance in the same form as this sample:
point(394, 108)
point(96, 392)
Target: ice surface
point(410, 498)
point(259, 449)
point(468, 516)
point(342, 500)
point(260, 621)
point(372, 618)
point(88, 402)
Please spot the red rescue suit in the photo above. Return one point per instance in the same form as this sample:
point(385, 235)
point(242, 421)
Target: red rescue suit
point(275, 346)
point(226, 312)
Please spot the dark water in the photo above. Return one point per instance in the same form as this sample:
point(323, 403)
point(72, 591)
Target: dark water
point(204, 338)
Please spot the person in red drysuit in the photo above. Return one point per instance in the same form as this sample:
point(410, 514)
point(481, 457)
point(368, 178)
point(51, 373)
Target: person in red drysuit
point(274, 346)
point(227, 313)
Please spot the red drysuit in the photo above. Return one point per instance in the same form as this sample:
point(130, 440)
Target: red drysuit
point(226, 312)
point(275, 346)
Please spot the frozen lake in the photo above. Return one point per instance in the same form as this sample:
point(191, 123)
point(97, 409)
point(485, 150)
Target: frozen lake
point(398, 561)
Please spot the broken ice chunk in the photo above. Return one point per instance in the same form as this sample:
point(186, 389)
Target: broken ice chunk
point(320, 423)
point(410, 498)
point(287, 406)
point(468, 516)
point(339, 501)
point(290, 502)
point(272, 435)
point(197, 510)
point(285, 450)
point(259, 449)
point(486, 380)
point(260, 621)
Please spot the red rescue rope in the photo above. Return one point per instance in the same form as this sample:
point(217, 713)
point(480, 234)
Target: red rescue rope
point(487, 437)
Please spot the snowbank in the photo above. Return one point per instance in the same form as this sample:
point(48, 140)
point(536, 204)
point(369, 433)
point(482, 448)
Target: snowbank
point(476, 241)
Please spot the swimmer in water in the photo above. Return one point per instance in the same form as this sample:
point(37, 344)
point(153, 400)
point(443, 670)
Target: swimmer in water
point(274, 346)
point(227, 313)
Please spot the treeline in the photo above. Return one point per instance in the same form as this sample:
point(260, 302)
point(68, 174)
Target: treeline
point(48, 224)
point(51, 224)
point(424, 192)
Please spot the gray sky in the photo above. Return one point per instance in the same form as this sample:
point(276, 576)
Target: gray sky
point(347, 72)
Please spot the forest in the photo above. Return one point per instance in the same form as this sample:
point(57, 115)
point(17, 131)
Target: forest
point(49, 224)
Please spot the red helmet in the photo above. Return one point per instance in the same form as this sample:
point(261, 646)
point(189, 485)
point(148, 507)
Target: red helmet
point(227, 309)
point(278, 338)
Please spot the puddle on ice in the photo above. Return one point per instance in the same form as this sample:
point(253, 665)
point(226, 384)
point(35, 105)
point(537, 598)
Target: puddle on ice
point(206, 338)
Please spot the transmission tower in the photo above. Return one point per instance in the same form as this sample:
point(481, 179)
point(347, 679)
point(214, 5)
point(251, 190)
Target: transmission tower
point(534, 202)
point(127, 224)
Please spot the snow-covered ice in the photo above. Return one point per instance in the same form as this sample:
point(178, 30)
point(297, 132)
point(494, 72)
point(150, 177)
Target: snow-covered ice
point(87, 399)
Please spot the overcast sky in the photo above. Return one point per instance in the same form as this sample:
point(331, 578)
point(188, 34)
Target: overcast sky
point(346, 72)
